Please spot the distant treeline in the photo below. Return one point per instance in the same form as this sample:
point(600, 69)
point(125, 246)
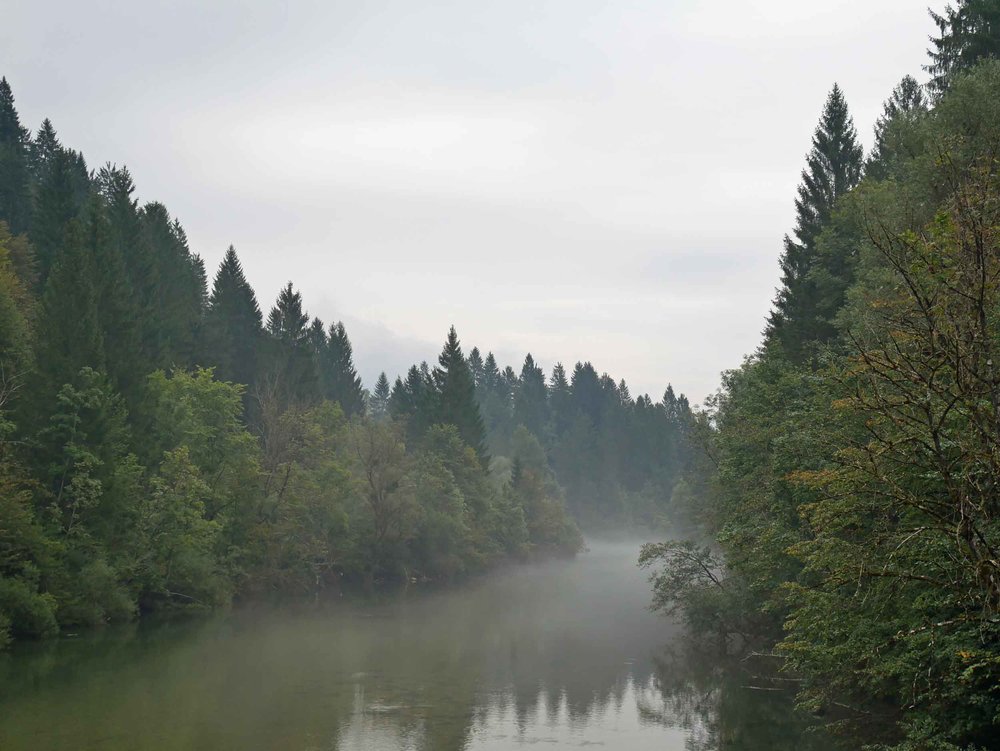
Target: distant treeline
point(164, 444)
point(850, 479)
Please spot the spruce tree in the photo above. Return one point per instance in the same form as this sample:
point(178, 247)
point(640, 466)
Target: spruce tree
point(585, 386)
point(456, 396)
point(172, 290)
point(833, 167)
point(968, 32)
point(288, 322)
point(531, 408)
point(317, 337)
point(476, 365)
point(233, 324)
point(560, 400)
point(15, 202)
point(491, 372)
point(341, 382)
point(55, 206)
point(44, 149)
point(906, 103)
point(116, 310)
point(291, 371)
point(413, 401)
point(379, 404)
point(69, 334)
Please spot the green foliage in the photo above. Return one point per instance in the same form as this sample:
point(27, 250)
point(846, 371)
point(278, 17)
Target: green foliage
point(833, 167)
point(853, 506)
point(233, 323)
point(339, 380)
point(455, 396)
point(15, 204)
point(177, 559)
point(26, 612)
point(378, 405)
point(968, 33)
point(132, 479)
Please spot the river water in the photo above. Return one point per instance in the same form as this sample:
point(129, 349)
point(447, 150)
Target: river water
point(555, 655)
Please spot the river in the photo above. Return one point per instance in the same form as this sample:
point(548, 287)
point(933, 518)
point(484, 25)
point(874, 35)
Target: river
point(558, 655)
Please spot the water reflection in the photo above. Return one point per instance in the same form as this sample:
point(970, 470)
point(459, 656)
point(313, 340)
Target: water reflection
point(562, 654)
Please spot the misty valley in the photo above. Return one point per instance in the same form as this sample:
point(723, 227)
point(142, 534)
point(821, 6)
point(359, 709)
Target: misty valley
point(438, 484)
point(562, 654)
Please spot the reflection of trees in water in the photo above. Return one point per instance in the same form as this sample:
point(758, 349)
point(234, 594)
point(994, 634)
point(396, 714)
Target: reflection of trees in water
point(564, 643)
point(726, 704)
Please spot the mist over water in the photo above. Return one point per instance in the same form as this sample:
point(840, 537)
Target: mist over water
point(562, 654)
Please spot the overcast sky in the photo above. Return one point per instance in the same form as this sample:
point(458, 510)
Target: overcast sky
point(579, 179)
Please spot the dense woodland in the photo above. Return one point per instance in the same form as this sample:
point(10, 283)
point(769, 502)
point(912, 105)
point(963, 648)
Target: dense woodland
point(165, 444)
point(850, 473)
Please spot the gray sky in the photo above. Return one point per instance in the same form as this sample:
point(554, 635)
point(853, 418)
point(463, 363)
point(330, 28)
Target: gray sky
point(582, 180)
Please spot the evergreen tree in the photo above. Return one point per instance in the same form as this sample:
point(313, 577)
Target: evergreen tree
point(69, 332)
point(117, 310)
point(379, 405)
point(291, 375)
point(906, 102)
point(456, 396)
point(15, 205)
point(833, 167)
point(412, 401)
point(55, 205)
point(491, 372)
point(44, 149)
point(967, 33)
point(15, 308)
point(172, 290)
point(288, 322)
point(233, 323)
point(560, 400)
point(531, 408)
point(317, 337)
point(496, 405)
point(341, 382)
point(585, 387)
point(477, 366)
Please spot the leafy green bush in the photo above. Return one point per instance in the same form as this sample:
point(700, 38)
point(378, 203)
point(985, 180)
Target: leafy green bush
point(28, 613)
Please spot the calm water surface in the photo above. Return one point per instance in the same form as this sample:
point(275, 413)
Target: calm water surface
point(557, 655)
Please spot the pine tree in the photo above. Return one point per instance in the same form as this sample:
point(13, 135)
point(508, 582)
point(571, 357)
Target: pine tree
point(288, 322)
point(117, 311)
point(477, 367)
point(233, 324)
point(833, 167)
point(172, 290)
point(291, 375)
point(491, 372)
point(55, 205)
point(560, 400)
point(585, 386)
point(456, 396)
point(44, 149)
point(624, 394)
point(15, 306)
point(379, 405)
point(968, 33)
point(906, 103)
point(341, 382)
point(317, 337)
point(413, 401)
point(15, 202)
point(531, 408)
point(69, 333)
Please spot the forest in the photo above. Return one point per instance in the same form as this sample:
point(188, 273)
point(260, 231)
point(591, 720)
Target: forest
point(847, 482)
point(166, 445)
